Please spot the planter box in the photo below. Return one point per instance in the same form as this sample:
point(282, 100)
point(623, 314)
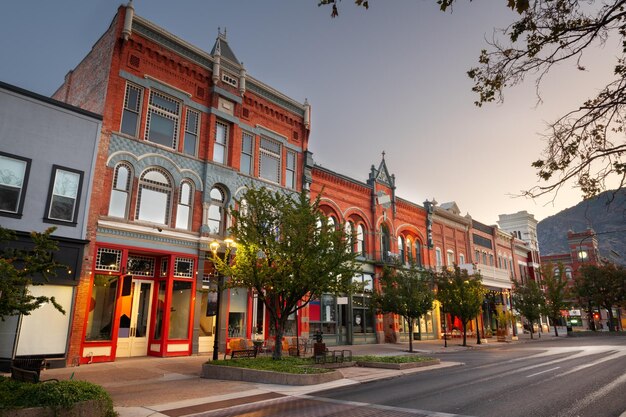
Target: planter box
point(91, 408)
point(232, 373)
point(398, 366)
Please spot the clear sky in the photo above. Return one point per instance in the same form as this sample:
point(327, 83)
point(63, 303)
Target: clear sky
point(392, 78)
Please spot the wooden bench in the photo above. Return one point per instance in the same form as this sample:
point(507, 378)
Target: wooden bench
point(243, 353)
point(26, 375)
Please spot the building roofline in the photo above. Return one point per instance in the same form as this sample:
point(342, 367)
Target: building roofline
point(48, 100)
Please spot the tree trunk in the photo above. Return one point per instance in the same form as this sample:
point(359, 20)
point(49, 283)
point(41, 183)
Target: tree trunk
point(278, 345)
point(556, 332)
point(609, 312)
point(532, 329)
point(410, 322)
point(464, 333)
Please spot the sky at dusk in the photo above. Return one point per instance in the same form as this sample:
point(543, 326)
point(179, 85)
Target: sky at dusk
point(391, 79)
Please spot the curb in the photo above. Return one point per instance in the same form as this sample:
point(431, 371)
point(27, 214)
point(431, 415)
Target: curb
point(232, 373)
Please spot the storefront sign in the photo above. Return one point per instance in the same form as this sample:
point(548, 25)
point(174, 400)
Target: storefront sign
point(342, 300)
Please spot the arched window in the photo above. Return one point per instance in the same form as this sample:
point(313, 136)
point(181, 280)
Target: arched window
point(153, 198)
point(401, 257)
point(409, 251)
point(461, 259)
point(385, 246)
point(350, 236)
point(120, 192)
point(449, 257)
point(418, 253)
point(216, 214)
point(331, 222)
point(183, 210)
point(360, 240)
point(568, 273)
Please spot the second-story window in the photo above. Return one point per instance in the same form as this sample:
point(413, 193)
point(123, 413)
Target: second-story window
point(221, 143)
point(270, 160)
point(64, 194)
point(13, 180)
point(183, 209)
point(438, 258)
point(409, 251)
point(401, 249)
point(132, 110)
point(385, 245)
point(449, 258)
point(418, 253)
point(191, 133)
point(153, 197)
point(290, 175)
point(120, 192)
point(360, 240)
point(162, 122)
point(216, 216)
point(247, 155)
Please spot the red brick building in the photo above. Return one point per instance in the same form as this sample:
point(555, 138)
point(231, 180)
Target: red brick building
point(184, 133)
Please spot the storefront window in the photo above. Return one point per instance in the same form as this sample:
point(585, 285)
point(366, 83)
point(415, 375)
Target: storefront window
point(180, 309)
point(101, 308)
point(362, 321)
point(208, 307)
point(323, 315)
point(237, 312)
point(158, 326)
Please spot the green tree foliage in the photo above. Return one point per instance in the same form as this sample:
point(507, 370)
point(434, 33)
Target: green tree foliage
point(529, 300)
point(601, 286)
point(406, 292)
point(586, 144)
point(20, 269)
point(460, 294)
point(287, 252)
point(555, 286)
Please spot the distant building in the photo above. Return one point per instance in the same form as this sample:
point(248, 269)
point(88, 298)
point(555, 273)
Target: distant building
point(47, 159)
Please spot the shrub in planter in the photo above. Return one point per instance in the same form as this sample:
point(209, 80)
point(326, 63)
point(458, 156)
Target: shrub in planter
point(54, 395)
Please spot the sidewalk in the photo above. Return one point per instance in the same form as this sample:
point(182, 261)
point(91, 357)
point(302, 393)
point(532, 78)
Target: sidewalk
point(173, 387)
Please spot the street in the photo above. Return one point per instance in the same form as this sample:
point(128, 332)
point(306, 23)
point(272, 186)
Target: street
point(563, 378)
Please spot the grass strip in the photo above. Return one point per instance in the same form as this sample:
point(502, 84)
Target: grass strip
point(288, 365)
point(391, 359)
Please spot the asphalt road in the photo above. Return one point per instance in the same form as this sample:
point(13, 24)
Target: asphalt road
point(583, 377)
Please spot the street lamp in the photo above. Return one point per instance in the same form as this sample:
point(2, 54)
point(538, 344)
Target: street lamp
point(215, 245)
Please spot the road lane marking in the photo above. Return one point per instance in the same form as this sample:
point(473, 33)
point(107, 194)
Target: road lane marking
point(543, 372)
point(594, 396)
point(411, 411)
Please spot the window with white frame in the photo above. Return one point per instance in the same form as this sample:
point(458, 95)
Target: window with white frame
point(461, 258)
point(154, 197)
point(14, 172)
point(438, 258)
point(360, 240)
point(409, 251)
point(270, 160)
point(132, 110)
point(246, 164)
point(221, 142)
point(183, 209)
point(418, 253)
point(190, 144)
point(216, 215)
point(120, 192)
point(401, 257)
point(63, 195)
point(349, 236)
point(162, 121)
point(290, 175)
point(449, 257)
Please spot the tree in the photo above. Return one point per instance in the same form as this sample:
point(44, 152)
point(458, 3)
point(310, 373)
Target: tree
point(287, 252)
point(19, 269)
point(586, 144)
point(602, 286)
point(555, 285)
point(460, 294)
point(529, 300)
point(406, 292)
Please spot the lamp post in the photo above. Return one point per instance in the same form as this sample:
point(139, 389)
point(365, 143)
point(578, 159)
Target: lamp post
point(215, 245)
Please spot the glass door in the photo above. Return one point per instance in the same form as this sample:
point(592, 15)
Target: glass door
point(132, 336)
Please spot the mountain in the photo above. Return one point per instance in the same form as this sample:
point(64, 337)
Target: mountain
point(607, 217)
